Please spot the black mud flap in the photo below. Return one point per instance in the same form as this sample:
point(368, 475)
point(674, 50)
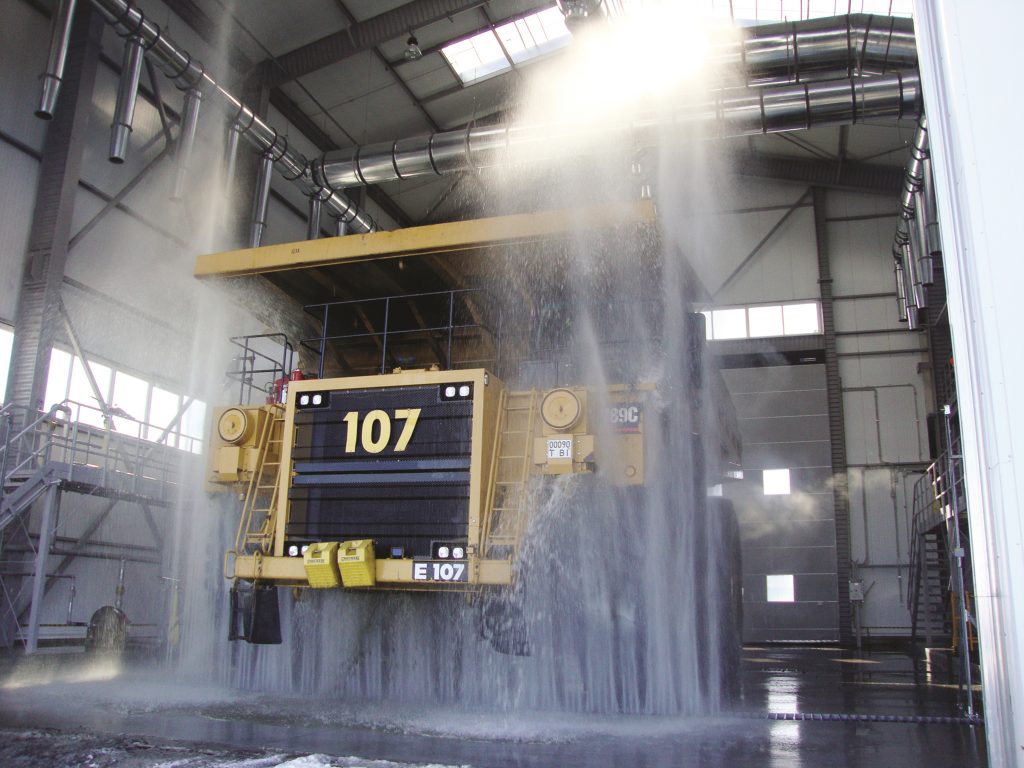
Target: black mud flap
point(107, 631)
point(255, 617)
point(502, 622)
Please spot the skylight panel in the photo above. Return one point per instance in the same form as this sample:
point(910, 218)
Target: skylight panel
point(477, 57)
point(534, 35)
point(765, 11)
point(492, 52)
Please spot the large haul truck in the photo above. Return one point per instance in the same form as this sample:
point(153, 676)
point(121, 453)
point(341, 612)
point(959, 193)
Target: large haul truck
point(424, 477)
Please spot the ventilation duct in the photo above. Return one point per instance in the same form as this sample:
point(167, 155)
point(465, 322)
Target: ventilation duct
point(259, 206)
point(188, 73)
point(933, 238)
point(917, 243)
point(60, 35)
point(186, 140)
point(901, 290)
point(127, 92)
point(731, 112)
point(230, 158)
point(313, 222)
point(818, 49)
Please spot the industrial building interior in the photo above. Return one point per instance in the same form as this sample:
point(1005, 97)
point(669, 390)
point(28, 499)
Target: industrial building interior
point(193, 187)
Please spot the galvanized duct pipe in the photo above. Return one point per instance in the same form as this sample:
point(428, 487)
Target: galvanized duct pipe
point(313, 222)
point(911, 287)
point(59, 36)
point(933, 238)
point(841, 46)
point(187, 73)
point(732, 112)
point(127, 91)
point(230, 158)
point(919, 230)
point(901, 290)
point(186, 140)
point(910, 244)
point(262, 198)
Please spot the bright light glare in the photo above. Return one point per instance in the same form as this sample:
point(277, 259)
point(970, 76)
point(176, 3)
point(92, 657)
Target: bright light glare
point(612, 73)
point(26, 675)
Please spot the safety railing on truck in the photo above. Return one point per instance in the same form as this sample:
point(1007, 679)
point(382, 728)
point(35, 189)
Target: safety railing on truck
point(449, 329)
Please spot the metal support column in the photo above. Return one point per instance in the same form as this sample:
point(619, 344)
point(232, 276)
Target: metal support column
point(37, 319)
point(836, 418)
point(42, 555)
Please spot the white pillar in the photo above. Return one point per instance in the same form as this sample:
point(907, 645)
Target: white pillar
point(975, 108)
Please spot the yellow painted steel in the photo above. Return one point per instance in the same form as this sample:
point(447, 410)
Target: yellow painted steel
point(433, 238)
point(321, 563)
point(292, 571)
point(484, 421)
point(357, 563)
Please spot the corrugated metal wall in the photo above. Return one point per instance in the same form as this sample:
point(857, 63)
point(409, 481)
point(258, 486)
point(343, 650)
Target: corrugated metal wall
point(783, 418)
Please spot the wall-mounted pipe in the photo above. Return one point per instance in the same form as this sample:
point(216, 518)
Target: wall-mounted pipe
point(127, 91)
point(186, 140)
point(340, 227)
point(259, 206)
point(188, 73)
point(731, 112)
point(60, 36)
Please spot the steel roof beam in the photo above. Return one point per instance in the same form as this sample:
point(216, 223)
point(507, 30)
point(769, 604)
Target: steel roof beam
point(363, 36)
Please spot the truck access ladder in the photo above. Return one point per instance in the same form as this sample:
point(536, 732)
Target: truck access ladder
point(256, 528)
point(510, 473)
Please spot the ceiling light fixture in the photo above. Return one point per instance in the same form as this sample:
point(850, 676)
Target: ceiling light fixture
point(412, 49)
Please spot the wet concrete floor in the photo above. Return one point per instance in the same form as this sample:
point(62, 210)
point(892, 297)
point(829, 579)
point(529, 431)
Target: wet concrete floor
point(60, 712)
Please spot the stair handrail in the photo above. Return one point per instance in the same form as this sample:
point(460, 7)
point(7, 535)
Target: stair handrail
point(32, 429)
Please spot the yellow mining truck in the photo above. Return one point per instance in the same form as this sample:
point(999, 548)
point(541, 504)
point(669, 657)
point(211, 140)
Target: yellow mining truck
point(407, 463)
point(412, 480)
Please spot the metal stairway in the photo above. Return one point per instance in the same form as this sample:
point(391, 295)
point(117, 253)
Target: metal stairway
point(510, 473)
point(61, 451)
point(930, 614)
point(940, 566)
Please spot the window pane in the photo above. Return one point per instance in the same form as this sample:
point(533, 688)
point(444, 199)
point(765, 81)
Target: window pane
point(81, 391)
point(57, 378)
point(780, 588)
point(730, 323)
point(776, 482)
point(162, 408)
point(477, 57)
point(765, 321)
point(130, 395)
point(800, 319)
point(534, 35)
